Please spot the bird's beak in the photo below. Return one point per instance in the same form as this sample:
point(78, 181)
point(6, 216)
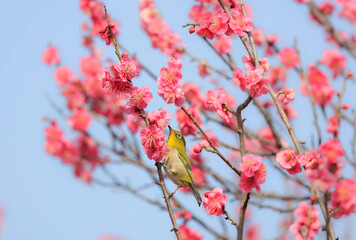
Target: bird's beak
point(170, 129)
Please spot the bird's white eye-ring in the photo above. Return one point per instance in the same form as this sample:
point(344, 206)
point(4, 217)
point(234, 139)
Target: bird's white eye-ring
point(179, 135)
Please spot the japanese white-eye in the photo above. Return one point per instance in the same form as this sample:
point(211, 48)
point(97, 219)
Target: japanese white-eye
point(176, 164)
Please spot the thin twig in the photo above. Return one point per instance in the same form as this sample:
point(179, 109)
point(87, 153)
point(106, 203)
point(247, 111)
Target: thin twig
point(166, 199)
point(112, 35)
point(211, 143)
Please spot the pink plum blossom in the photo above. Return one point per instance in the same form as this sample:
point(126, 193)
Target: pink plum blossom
point(80, 119)
point(214, 201)
point(50, 56)
point(343, 199)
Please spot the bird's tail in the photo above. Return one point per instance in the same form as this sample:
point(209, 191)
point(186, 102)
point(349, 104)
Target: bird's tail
point(196, 193)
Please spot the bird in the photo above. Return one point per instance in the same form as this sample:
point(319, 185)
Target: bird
point(176, 164)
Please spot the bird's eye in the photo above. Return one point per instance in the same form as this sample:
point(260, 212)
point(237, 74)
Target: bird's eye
point(179, 135)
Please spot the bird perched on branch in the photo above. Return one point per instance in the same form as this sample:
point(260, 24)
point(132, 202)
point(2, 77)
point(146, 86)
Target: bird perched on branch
point(176, 164)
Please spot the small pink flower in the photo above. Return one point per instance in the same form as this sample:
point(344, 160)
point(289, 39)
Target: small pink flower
point(70, 153)
point(286, 158)
point(217, 101)
point(139, 99)
point(104, 32)
point(53, 132)
point(258, 37)
point(259, 88)
point(332, 150)
point(214, 201)
point(345, 106)
point(343, 199)
point(287, 97)
point(63, 75)
point(90, 66)
point(218, 24)
point(240, 23)
point(310, 160)
point(250, 165)
point(334, 61)
point(320, 86)
point(172, 94)
point(50, 56)
point(80, 119)
point(197, 148)
point(192, 30)
point(126, 69)
point(289, 57)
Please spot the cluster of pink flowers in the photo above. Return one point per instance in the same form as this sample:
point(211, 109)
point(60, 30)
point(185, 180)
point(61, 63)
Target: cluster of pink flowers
point(161, 35)
point(168, 87)
point(82, 155)
point(217, 22)
point(220, 102)
point(307, 224)
point(123, 72)
point(349, 10)
point(189, 234)
point(214, 201)
point(253, 81)
point(95, 10)
point(320, 86)
point(343, 199)
point(153, 138)
point(253, 173)
point(325, 165)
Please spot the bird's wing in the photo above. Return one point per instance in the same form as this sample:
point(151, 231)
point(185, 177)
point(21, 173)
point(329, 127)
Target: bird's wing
point(185, 160)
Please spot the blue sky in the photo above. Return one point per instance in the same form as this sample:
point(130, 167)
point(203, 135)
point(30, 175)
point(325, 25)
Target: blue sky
point(40, 197)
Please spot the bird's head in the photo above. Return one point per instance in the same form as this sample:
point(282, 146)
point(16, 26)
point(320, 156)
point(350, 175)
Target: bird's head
point(175, 139)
